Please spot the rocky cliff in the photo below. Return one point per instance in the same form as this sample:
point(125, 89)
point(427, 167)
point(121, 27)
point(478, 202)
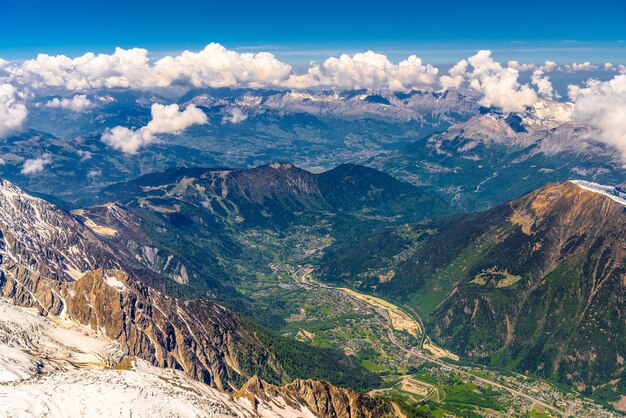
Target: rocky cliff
point(324, 399)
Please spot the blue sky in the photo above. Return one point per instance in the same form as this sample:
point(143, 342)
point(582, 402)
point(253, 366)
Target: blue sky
point(297, 32)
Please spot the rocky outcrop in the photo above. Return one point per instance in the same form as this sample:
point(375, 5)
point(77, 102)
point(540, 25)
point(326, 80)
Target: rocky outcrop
point(202, 338)
point(324, 399)
point(47, 240)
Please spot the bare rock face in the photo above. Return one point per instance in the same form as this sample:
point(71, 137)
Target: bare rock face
point(201, 338)
point(47, 240)
point(327, 400)
point(322, 398)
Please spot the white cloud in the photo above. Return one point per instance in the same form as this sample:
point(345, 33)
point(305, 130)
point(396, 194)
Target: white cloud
point(123, 68)
point(77, 103)
point(3, 65)
point(499, 85)
point(84, 155)
point(127, 140)
point(548, 66)
point(521, 67)
point(94, 173)
point(2, 162)
point(36, 165)
point(234, 115)
point(602, 105)
point(575, 67)
point(169, 120)
point(214, 66)
point(608, 66)
point(455, 77)
point(367, 70)
point(165, 120)
point(543, 83)
point(13, 113)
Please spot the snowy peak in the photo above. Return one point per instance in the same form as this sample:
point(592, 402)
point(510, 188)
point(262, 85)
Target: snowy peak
point(46, 240)
point(548, 114)
point(543, 115)
point(544, 128)
point(415, 105)
point(614, 193)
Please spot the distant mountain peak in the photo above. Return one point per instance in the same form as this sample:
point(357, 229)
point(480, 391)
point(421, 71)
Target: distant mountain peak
point(281, 166)
point(548, 114)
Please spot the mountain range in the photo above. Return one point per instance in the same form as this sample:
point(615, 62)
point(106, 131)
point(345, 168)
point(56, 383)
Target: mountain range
point(477, 157)
point(496, 156)
point(418, 255)
point(53, 265)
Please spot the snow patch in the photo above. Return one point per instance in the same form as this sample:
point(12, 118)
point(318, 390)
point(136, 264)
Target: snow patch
point(115, 283)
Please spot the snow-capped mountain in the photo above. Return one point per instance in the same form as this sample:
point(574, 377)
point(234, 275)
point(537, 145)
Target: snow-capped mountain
point(55, 367)
point(415, 105)
point(56, 265)
point(616, 193)
point(547, 127)
point(46, 239)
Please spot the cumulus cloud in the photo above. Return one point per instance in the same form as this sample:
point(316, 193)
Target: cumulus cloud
point(123, 68)
point(499, 86)
point(543, 83)
point(214, 66)
point(521, 67)
point(36, 165)
point(13, 112)
point(84, 155)
point(602, 105)
point(455, 77)
point(94, 173)
point(575, 67)
point(367, 70)
point(234, 115)
point(127, 140)
point(166, 119)
point(78, 103)
point(548, 66)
